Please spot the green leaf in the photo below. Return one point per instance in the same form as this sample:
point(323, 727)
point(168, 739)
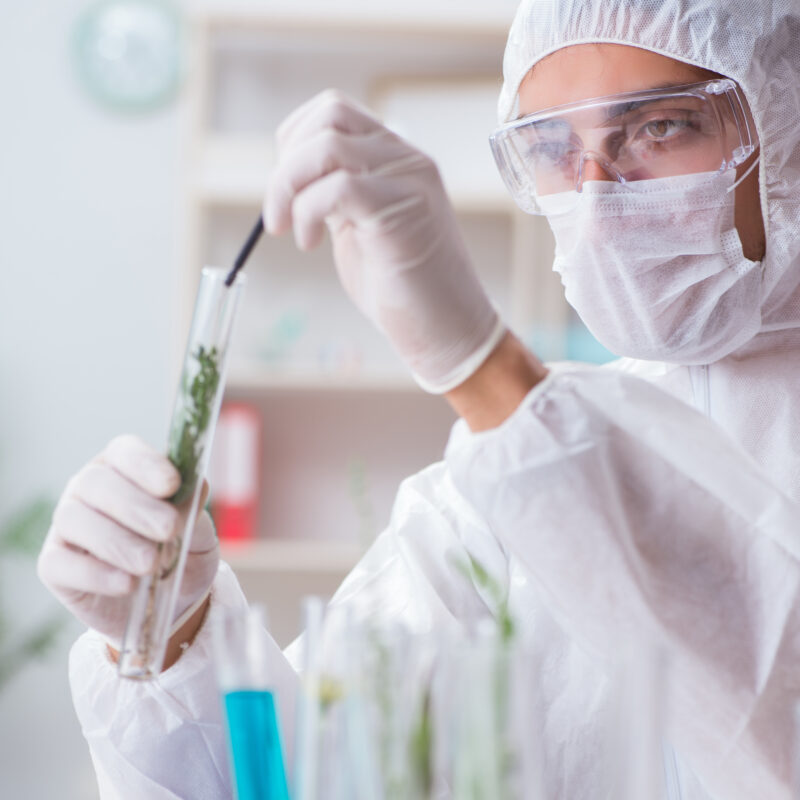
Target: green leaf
point(506, 622)
point(475, 572)
point(185, 439)
point(479, 571)
point(422, 747)
point(34, 645)
point(25, 531)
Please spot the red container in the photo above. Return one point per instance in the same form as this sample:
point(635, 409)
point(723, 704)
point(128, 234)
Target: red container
point(235, 472)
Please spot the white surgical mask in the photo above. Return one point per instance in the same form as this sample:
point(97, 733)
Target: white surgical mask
point(658, 273)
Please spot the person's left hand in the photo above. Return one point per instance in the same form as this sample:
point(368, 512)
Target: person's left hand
point(397, 246)
point(106, 531)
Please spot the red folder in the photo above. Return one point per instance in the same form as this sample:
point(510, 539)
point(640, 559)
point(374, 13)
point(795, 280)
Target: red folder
point(235, 472)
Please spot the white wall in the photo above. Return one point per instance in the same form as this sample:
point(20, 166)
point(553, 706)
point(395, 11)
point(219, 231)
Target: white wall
point(89, 213)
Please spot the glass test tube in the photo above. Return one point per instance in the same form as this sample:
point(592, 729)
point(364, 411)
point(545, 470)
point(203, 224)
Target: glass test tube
point(326, 766)
point(191, 432)
point(640, 759)
point(492, 742)
point(242, 662)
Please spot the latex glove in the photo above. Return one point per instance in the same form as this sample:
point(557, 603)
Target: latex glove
point(105, 532)
point(398, 250)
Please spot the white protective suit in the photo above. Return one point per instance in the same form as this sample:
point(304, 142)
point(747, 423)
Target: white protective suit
point(669, 505)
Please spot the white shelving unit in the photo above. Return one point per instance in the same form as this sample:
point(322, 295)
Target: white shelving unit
point(343, 422)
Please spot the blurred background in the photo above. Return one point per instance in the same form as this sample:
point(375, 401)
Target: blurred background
point(136, 142)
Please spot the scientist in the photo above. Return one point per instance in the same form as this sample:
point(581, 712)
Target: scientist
point(661, 496)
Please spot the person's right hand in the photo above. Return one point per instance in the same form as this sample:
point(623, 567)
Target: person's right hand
point(105, 533)
point(397, 244)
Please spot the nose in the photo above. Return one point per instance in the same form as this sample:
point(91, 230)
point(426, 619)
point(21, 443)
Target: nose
point(594, 167)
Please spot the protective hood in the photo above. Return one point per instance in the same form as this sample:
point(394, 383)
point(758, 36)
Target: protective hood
point(755, 44)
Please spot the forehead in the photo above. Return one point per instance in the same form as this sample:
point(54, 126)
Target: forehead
point(583, 71)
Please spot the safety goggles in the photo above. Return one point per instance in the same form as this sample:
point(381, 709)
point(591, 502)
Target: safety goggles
point(701, 128)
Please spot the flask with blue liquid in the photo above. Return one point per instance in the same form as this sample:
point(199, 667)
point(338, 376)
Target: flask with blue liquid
point(248, 698)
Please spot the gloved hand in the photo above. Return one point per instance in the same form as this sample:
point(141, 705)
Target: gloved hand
point(105, 532)
point(398, 250)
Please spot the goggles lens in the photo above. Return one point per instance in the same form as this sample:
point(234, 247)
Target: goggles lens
point(630, 138)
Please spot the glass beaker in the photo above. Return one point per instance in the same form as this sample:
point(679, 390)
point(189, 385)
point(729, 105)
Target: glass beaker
point(191, 431)
point(241, 655)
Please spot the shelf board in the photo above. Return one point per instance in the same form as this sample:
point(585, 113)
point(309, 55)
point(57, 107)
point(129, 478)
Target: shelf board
point(490, 202)
point(233, 172)
point(237, 191)
point(292, 556)
point(263, 378)
point(484, 21)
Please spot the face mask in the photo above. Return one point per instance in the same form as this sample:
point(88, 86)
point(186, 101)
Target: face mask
point(658, 273)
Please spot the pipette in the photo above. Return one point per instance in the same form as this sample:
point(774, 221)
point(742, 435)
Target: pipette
point(244, 253)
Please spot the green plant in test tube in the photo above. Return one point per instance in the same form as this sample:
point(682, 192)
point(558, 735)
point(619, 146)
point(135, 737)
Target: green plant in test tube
point(154, 603)
point(186, 444)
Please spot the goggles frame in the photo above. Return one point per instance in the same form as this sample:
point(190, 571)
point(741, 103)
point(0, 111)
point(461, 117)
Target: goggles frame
point(522, 186)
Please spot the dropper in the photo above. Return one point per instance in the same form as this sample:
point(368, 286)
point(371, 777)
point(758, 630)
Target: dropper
point(244, 253)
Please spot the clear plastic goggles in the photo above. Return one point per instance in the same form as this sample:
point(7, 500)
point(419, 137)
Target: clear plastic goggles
point(630, 138)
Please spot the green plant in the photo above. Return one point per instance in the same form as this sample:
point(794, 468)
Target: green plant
point(362, 500)
point(190, 421)
point(22, 536)
point(192, 418)
point(475, 572)
point(421, 746)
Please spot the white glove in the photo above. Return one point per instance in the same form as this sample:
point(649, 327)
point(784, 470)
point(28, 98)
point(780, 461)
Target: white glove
point(105, 533)
point(398, 250)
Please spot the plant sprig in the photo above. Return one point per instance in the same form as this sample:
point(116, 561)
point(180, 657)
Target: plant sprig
point(421, 747)
point(186, 444)
point(476, 572)
point(25, 531)
point(23, 535)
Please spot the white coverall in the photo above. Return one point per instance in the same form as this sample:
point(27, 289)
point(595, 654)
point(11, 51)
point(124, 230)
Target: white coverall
point(656, 497)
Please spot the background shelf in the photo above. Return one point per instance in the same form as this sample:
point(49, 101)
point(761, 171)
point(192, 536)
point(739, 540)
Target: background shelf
point(292, 556)
point(257, 378)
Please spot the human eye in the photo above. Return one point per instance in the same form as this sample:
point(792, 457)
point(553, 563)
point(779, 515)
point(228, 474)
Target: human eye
point(551, 143)
point(664, 129)
point(667, 129)
point(550, 152)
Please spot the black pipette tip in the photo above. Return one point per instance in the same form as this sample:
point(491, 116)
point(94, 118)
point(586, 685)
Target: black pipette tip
point(244, 253)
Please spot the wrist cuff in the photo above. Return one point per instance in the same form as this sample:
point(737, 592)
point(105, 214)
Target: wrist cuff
point(466, 368)
point(184, 617)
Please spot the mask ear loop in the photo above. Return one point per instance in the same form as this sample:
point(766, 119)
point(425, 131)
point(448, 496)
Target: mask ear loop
point(747, 172)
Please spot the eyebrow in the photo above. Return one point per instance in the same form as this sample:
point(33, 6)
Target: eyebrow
point(620, 109)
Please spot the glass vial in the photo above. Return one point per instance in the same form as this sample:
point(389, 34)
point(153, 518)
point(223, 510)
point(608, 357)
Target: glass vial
point(242, 660)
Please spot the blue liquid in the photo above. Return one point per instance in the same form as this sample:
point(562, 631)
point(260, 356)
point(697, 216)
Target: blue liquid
point(255, 745)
